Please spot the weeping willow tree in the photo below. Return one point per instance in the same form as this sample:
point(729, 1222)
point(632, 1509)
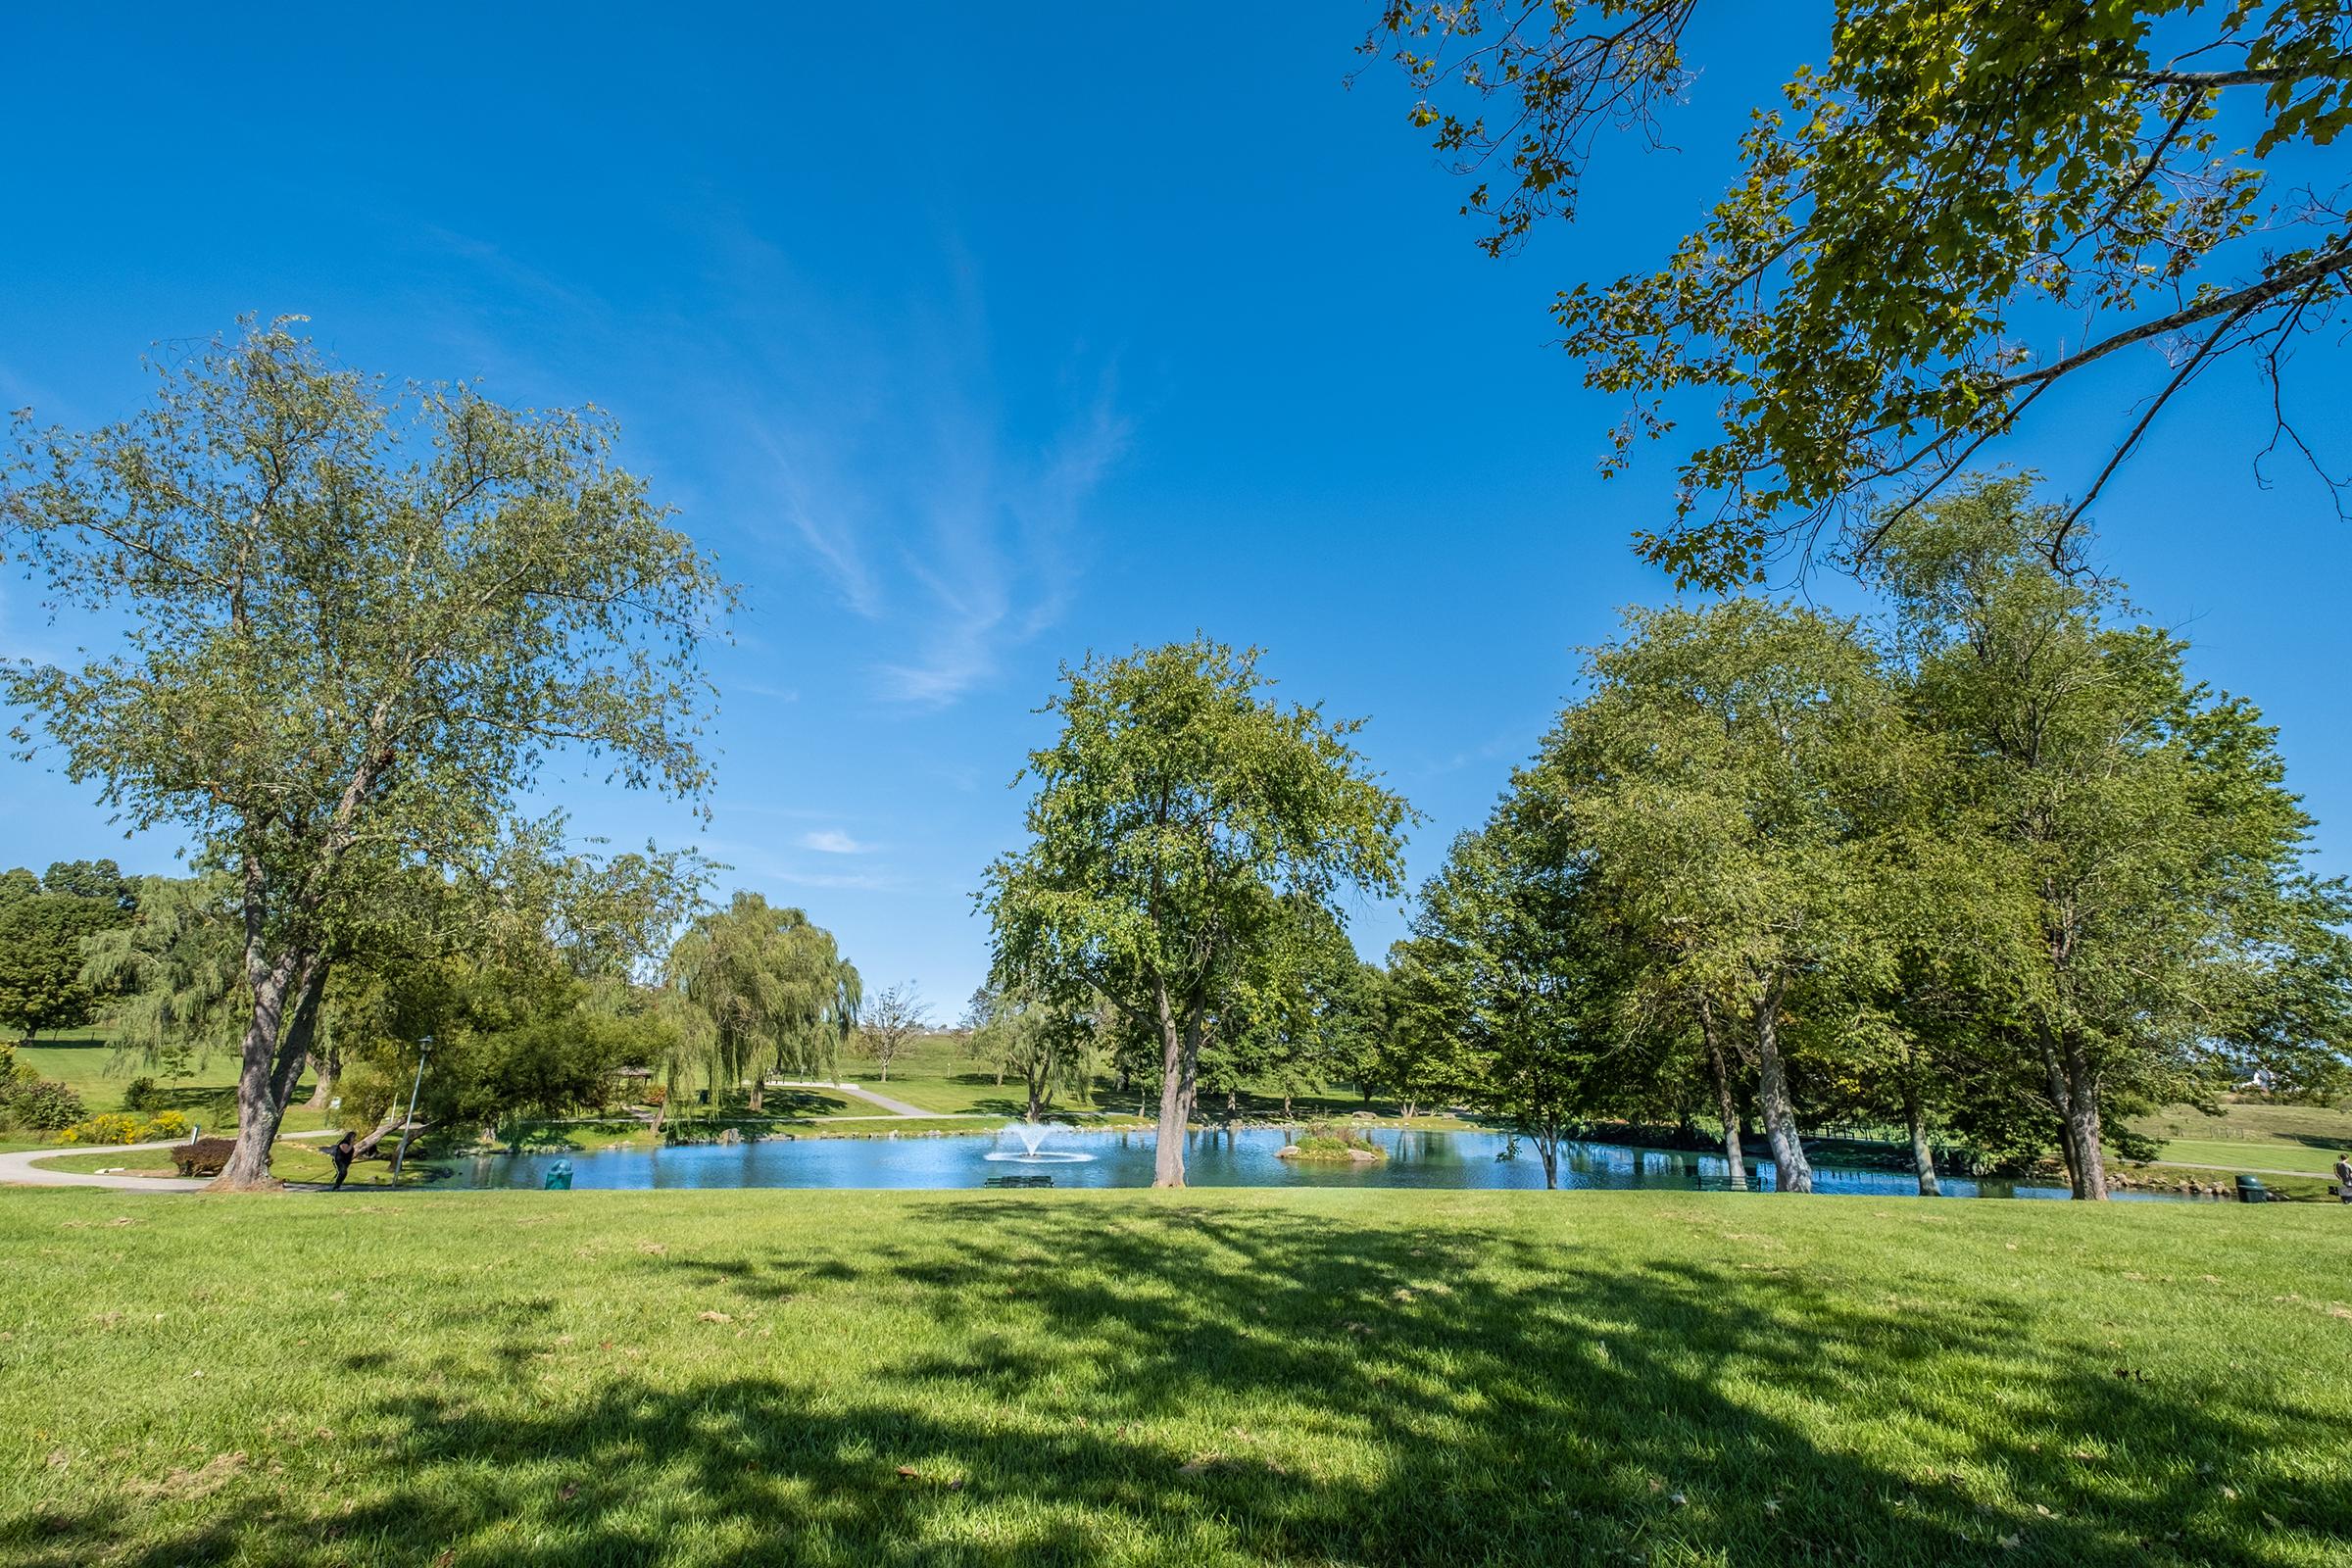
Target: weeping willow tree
point(1051, 1041)
point(180, 969)
point(765, 989)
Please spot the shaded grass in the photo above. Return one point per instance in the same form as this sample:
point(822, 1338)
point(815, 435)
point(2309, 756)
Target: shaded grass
point(534, 1379)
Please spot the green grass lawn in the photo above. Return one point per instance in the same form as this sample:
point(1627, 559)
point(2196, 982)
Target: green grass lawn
point(530, 1378)
point(2227, 1155)
point(2253, 1134)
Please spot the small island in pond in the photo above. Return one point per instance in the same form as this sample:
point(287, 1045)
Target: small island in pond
point(1332, 1144)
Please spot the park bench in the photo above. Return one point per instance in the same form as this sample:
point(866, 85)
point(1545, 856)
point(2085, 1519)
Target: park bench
point(1019, 1181)
point(1722, 1184)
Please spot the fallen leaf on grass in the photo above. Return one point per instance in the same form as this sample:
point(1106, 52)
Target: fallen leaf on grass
point(2012, 1542)
point(568, 1490)
point(448, 1555)
point(716, 1317)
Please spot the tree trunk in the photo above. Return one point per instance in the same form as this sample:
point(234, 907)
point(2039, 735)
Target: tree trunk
point(1037, 1100)
point(758, 1091)
point(1922, 1153)
point(1548, 1149)
point(1167, 1155)
point(1232, 1106)
point(2074, 1091)
point(282, 993)
point(1734, 1156)
point(329, 1066)
point(1793, 1173)
point(295, 1048)
point(382, 1129)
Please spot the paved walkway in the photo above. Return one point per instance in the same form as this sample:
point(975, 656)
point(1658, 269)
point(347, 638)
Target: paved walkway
point(20, 1170)
point(897, 1107)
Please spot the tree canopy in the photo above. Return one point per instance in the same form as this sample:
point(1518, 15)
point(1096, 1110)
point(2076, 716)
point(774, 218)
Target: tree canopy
point(1957, 207)
point(766, 989)
point(1176, 818)
point(358, 623)
point(1997, 868)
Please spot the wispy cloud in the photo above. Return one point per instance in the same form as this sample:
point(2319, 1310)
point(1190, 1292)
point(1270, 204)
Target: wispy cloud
point(934, 499)
point(938, 491)
point(833, 841)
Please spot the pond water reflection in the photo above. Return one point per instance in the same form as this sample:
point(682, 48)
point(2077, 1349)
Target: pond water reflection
point(1244, 1158)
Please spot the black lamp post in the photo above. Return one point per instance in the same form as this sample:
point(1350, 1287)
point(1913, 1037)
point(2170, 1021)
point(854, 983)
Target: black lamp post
point(402, 1152)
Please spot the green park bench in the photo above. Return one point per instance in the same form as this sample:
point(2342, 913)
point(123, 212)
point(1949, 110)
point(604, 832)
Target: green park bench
point(1019, 1181)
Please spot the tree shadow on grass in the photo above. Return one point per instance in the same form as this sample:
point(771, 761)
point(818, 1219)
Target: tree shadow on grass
point(1209, 1384)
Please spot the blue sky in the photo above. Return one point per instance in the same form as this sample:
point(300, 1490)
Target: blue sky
point(978, 341)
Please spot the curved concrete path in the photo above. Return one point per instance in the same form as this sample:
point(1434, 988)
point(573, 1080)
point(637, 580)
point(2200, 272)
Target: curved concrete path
point(21, 1169)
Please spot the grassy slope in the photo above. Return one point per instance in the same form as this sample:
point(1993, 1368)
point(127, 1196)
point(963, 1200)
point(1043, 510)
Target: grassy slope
point(83, 1060)
point(833, 1378)
point(2253, 1135)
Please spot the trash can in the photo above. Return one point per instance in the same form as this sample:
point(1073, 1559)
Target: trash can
point(2251, 1191)
point(558, 1176)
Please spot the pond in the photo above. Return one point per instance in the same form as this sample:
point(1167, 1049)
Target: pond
point(1244, 1158)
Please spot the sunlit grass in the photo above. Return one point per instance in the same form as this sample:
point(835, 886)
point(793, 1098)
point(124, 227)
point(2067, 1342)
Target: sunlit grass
point(1231, 1377)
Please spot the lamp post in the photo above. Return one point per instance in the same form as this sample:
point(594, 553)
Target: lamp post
point(402, 1152)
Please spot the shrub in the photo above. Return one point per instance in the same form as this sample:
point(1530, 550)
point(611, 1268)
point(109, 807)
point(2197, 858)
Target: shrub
point(41, 1105)
point(113, 1127)
point(139, 1094)
point(165, 1124)
point(204, 1156)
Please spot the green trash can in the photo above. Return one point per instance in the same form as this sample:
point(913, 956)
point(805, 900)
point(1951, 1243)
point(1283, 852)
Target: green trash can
point(558, 1176)
point(2251, 1191)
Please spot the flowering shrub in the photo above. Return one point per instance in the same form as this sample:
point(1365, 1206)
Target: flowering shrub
point(115, 1127)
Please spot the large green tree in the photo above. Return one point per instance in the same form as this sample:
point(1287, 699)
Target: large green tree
point(1176, 816)
point(357, 623)
point(2159, 904)
point(1052, 1043)
point(41, 957)
point(1959, 204)
point(178, 971)
point(1722, 776)
point(767, 989)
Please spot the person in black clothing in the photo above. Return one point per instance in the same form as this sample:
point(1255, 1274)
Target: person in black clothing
point(341, 1155)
